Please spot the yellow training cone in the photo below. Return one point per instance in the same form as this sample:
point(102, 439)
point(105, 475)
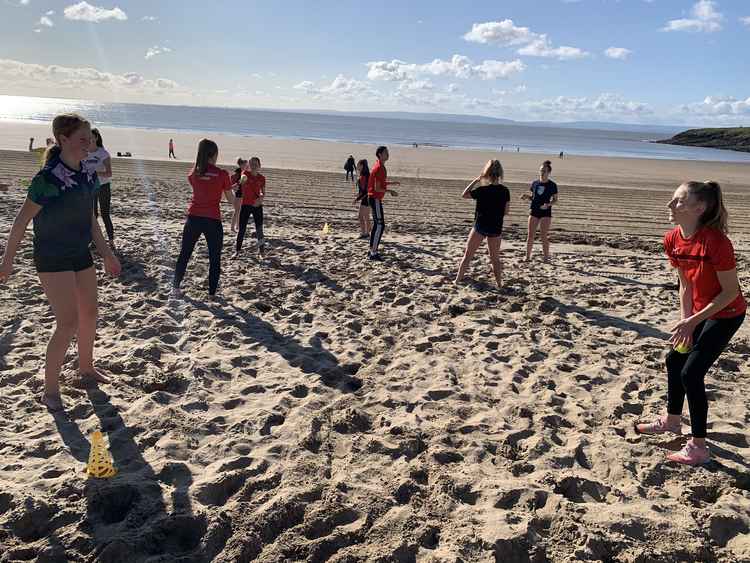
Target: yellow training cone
point(100, 460)
point(326, 229)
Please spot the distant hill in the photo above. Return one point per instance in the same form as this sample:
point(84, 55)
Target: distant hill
point(728, 138)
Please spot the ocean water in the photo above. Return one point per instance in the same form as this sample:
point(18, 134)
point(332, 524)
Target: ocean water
point(370, 130)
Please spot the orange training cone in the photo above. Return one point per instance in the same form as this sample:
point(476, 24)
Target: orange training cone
point(100, 461)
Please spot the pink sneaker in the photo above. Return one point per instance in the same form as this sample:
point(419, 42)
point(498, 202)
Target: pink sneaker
point(691, 455)
point(659, 426)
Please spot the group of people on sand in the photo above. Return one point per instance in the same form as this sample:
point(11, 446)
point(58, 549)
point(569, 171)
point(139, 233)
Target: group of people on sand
point(60, 202)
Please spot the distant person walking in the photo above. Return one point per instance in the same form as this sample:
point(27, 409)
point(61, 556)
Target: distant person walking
point(171, 149)
point(349, 167)
point(562, 155)
point(542, 196)
point(100, 161)
point(377, 187)
point(59, 201)
point(204, 216)
point(364, 204)
point(253, 185)
point(492, 205)
point(40, 151)
point(712, 309)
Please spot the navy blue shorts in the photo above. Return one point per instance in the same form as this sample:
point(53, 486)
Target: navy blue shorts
point(487, 232)
point(540, 213)
point(51, 264)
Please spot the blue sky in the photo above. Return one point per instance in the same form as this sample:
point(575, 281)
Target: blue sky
point(634, 61)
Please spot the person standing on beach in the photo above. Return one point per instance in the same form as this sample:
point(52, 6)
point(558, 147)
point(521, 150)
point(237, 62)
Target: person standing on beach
point(349, 167)
point(364, 205)
point(60, 203)
point(236, 176)
point(40, 151)
point(712, 309)
point(253, 185)
point(542, 195)
point(100, 161)
point(377, 187)
point(493, 204)
point(171, 149)
point(204, 216)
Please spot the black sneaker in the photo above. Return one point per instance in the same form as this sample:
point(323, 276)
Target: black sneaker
point(374, 257)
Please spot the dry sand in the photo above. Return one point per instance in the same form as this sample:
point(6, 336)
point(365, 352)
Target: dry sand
point(330, 409)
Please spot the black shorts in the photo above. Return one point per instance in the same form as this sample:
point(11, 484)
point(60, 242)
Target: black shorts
point(50, 264)
point(238, 192)
point(540, 213)
point(489, 233)
point(364, 202)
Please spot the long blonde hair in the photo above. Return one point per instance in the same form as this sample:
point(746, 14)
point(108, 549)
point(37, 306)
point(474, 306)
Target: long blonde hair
point(63, 125)
point(493, 171)
point(715, 215)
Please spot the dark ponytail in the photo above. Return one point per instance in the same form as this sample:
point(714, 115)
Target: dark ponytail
point(715, 215)
point(547, 164)
point(207, 150)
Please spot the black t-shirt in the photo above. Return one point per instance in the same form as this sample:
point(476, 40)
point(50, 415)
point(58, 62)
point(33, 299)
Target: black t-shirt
point(349, 164)
point(491, 202)
point(541, 193)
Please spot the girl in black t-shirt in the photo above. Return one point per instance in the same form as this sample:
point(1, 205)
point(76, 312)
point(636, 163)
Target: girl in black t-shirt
point(364, 203)
point(542, 196)
point(493, 203)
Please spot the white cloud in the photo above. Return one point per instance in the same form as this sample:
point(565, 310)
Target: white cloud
point(45, 21)
point(505, 34)
point(746, 20)
point(542, 48)
point(49, 13)
point(719, 106)
point(149, 18)
point(603, 106)
point(453, 88)
point(341, 89)
point(83, 11)
point(156, 50)
point(458, 66)
point(21, 74)
point(620, 53)
point(705, 18)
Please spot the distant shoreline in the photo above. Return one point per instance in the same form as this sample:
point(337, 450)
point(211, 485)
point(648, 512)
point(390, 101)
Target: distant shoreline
point(735, 139)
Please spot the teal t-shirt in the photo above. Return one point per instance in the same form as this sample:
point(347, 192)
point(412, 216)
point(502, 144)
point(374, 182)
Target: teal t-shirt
point(63, 226)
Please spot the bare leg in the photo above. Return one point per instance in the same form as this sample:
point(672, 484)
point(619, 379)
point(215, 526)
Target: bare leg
point(533, 222)
point(544, 225)
point(236, 214)
point(86, 294)
point(493, 244)
point(60, 288)
point(472, 244)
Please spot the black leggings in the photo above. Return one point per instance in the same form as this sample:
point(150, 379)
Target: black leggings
point(104, 200)
point(245, 212)
point(378, 224)
point(214, 233)
point(350, 173)
point(686, 371)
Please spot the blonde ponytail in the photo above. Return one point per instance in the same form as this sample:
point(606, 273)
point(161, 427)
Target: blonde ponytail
point(715, 215)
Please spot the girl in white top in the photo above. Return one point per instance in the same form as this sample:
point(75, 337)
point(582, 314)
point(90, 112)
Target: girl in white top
point(100, 161)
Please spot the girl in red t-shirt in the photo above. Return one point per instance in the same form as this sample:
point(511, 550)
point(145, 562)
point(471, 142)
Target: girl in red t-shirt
point(253, 186)
point(712, 309)
point(204, 216)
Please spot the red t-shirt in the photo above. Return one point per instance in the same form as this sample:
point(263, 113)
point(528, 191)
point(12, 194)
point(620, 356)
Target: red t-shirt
point(207, 190)
point(708, 251)
point(377, 183)
point(253, 188)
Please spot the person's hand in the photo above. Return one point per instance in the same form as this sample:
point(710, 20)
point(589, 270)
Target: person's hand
point(682, 332)
point(393, 193)
point(6, 269)
point(544, 206)
point(112, 265)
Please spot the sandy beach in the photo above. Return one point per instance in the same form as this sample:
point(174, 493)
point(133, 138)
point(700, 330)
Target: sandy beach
point(328, 409)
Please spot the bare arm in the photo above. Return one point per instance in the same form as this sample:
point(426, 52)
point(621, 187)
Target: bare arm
point(108, 167)
point(28, 211)
point(229, 196)
point(507, 207)
point(686, 296)
point(467, 190)
point(730, 289)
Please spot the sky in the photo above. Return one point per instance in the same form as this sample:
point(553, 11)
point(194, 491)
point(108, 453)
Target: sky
point(630, 61)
